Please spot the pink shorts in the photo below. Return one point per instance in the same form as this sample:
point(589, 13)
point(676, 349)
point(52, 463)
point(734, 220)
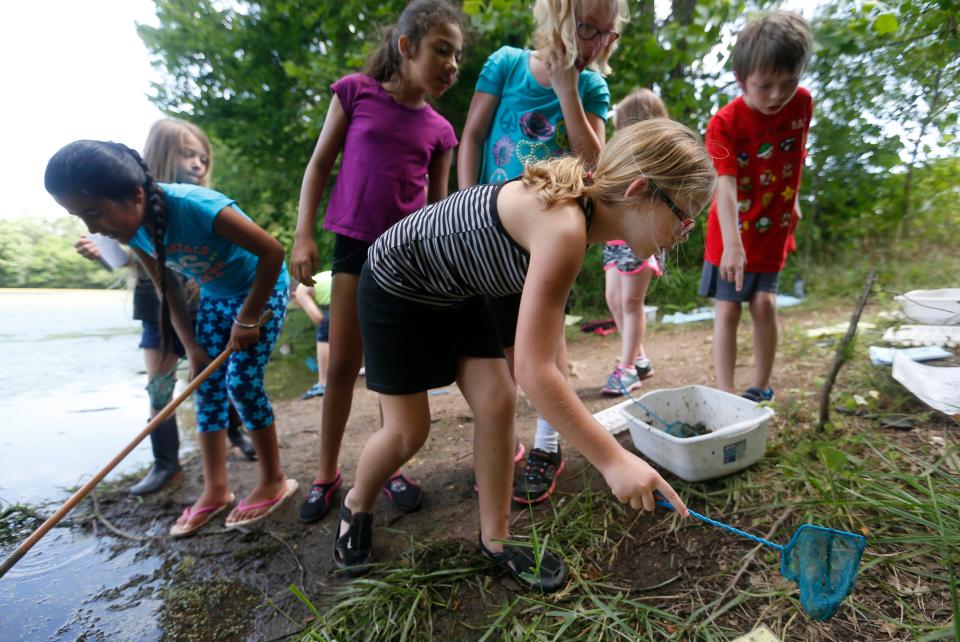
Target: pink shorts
point(619, 255)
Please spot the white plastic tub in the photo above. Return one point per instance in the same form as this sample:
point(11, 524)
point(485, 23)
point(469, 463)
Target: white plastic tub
point(931, 307)
point(650, 312)
point(737, 437)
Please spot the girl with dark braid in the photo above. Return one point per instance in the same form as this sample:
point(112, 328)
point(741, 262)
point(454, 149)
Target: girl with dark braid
point(239, 267)
point(176, 151)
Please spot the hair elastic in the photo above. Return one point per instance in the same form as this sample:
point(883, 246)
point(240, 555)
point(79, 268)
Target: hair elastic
point(588, 178)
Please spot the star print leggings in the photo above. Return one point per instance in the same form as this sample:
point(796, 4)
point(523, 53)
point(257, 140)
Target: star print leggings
point(242, 376)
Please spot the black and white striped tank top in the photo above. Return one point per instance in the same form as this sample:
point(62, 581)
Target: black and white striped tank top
point(450, 251)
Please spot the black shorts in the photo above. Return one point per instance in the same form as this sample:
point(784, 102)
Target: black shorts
point(349, 254)
point(410, 347)
point(505, 311)
point(150, 339)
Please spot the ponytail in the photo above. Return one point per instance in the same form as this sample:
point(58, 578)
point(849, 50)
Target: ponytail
point(557, 179)
point(415, 21)
point(667, 153)
point(157, 208)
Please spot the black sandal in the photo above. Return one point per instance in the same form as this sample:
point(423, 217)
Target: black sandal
point(353, 551)
point(520, 563)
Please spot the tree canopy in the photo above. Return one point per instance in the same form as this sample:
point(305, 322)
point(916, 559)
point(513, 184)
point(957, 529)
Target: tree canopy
point(885, 76)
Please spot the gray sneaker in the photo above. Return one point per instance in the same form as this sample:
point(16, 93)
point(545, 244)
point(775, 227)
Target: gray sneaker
point(620, 382)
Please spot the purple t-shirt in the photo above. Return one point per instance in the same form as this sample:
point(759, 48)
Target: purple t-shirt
point(386, 156)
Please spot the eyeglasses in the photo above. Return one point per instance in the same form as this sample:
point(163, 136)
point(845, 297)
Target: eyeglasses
point(587, 31)
point(686, 223)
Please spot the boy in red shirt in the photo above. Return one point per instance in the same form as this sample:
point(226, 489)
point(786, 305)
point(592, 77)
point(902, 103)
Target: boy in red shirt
point(758, 143)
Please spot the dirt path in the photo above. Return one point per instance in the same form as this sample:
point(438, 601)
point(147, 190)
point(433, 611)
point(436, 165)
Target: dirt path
point(233, 572)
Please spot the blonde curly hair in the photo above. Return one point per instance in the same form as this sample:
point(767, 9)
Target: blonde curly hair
point(557, 22)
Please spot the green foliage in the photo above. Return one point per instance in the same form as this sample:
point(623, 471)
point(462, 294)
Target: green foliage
point(882, 150)
point(885, 79)
point(36, 253)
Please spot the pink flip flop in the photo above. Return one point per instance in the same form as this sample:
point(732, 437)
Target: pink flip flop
point(209, 511)
point(289, 489)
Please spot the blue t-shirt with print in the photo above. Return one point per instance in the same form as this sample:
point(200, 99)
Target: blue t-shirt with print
point(528, 125)
point(221, 267)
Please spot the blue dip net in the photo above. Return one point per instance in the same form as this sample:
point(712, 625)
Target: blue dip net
point(822, 561)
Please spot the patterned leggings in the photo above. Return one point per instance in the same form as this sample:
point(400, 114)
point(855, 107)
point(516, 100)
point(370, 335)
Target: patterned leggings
point(242, 376)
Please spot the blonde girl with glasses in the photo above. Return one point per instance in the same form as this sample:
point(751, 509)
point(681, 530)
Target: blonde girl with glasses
point(425, 323)
point(533, 105)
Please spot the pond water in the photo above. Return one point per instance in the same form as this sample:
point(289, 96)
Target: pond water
point(71, 396)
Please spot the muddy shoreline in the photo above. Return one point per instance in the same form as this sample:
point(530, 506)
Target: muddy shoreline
point(228, 585)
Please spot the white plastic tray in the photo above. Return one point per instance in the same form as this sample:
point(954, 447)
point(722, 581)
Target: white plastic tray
point(932, 307)
point(737, 437)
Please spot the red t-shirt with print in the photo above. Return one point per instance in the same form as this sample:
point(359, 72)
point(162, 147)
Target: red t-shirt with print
point(765, 154)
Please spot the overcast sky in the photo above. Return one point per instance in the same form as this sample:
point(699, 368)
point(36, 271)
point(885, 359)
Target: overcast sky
point(71, 69)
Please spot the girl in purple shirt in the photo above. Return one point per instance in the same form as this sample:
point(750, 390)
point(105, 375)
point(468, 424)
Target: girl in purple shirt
point(396, 154)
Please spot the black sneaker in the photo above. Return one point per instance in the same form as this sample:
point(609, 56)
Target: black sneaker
point(539, 477)
point(519, 561)
point(319, 500)
point(403, 492)
point(353, 550)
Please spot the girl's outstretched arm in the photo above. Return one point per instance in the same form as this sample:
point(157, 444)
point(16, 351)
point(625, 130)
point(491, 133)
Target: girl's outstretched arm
point(439, 176)
point(238, 229)
point(482, 108)
point(305, 258)
point(555, 258)
point(179, 312)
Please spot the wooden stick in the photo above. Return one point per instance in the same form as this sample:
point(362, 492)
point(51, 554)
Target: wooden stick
point(841, 357)
point(84, 490)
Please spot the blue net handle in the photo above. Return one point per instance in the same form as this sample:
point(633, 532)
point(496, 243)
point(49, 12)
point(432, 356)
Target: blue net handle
point(737, 531)
point(668, 426)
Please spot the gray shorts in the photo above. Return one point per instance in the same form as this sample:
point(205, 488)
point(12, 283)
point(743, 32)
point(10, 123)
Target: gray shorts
point(713, 286)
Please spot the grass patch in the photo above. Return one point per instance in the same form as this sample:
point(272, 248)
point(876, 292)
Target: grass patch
point(17, 521)
point(641, 577)
point(652, 578)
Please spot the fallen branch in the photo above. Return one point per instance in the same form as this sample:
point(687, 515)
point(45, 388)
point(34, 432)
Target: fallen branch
point(113, 529)
point(841, 355)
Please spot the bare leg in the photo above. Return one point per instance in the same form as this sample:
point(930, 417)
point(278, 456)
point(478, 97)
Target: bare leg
point(763, 309)
point(613, 281)
point(216, 489)
point(490, 391)
point(633, 290)
point(346, 355)
point(725, 343)
point(406, 424)
point(271, 481)
point(323, 361)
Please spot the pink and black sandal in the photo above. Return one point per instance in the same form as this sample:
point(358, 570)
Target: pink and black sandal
point(320, 499)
